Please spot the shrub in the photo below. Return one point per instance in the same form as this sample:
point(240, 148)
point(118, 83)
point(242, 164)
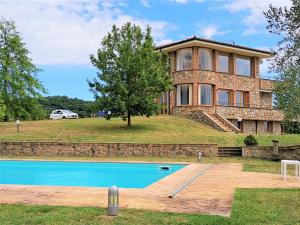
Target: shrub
point(250, 140)
point(291, 127)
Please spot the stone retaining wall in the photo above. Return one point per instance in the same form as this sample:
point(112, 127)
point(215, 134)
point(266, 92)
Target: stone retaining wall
point(104, 149)
point(265, 152)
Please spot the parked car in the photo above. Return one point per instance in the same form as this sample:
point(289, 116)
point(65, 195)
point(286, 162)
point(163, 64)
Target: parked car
point(63, 114)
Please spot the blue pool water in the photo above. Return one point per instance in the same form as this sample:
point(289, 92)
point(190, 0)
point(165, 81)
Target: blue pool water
point(86, 174)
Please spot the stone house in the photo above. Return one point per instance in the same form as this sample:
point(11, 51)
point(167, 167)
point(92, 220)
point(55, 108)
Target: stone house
point(220, 84)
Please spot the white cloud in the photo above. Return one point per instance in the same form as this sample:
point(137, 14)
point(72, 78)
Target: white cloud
point(255, 19)
point(186, 1)
point(145, 3)
point(209, 31)
point(67, 32)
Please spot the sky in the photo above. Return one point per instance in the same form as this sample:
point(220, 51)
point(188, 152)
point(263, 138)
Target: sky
point(62, 34)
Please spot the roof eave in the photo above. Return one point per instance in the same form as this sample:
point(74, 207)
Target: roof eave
point(214, 45)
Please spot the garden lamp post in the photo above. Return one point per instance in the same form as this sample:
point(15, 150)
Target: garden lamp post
point(113, 201)
point(18, 122)
point(199, 156)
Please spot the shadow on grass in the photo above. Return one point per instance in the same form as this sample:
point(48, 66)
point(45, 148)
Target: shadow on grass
point(116, 127)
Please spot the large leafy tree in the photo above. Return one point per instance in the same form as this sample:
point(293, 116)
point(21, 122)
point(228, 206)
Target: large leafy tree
point(132, 74)
point(19, 86)
point(2, 109)
point(286, 23)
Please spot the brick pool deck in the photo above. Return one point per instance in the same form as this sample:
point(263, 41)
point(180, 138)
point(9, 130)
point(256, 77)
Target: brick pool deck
point(211, 193)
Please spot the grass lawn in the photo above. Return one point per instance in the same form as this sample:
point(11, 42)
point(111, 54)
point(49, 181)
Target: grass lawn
point(157, 129)
point(251, 206)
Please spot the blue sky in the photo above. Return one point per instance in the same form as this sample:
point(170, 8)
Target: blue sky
point(61, 34)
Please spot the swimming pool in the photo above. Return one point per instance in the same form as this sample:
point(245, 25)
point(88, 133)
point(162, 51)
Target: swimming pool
point(85, 174)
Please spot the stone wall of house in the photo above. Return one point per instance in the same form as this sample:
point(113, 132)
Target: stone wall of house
point(266, 100)
point(277, 127)
point(249, 126)
point(234, 83)
point(250, 113)
point(260, 104)
point(202, 117)
point(267, 85)
point(49, 149)
point(265, 152)
point(187, 110)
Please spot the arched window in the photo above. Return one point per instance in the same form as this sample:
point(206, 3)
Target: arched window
point(205, 61)
point(184, 59)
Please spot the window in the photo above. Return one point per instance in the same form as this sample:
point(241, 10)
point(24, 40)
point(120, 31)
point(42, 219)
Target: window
point(223, 63)
point(239, 98)
point(184, 59)
point(184, 94)
point(243, 66)
point(162, 99)
point(205, 59)
point(274, 100)
point(223, 97)
point(267, 126)
point(206, 94)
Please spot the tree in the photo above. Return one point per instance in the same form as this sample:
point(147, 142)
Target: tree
point(286, 23)
point(2, 109)
point(19, 87)
point(288, 93)
point(132, 74)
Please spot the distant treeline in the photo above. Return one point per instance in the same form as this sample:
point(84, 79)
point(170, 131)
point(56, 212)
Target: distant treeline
point(83, 108)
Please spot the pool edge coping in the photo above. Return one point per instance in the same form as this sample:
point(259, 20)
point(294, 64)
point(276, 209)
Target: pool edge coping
point(95, 161)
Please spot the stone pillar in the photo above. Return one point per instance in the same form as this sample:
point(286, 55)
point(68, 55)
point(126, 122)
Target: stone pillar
point(255, 61)
point(215, 55)
point(275, 155)
point(195, 61)
point(195, 94)
point(232, 65)
point(172, 99)
point(172, 56)
point(195, 66)
point(275, 147)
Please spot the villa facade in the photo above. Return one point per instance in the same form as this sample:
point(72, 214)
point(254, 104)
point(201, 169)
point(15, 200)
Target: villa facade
point(220, 84)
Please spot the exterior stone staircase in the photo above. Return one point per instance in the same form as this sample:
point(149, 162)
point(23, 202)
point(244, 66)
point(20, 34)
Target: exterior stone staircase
point(230, 151)
point(215, 120)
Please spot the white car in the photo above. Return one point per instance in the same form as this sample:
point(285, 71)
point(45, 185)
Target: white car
point(63, 114)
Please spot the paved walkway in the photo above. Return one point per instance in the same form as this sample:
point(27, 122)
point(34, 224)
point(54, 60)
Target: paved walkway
point(211, 193)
